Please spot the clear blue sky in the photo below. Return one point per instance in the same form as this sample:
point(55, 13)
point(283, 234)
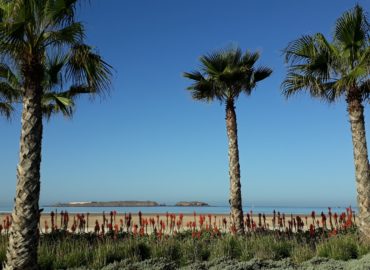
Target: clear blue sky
point(150, 140)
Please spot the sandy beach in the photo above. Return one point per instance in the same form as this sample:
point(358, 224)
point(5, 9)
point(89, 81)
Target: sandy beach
point(180, 221)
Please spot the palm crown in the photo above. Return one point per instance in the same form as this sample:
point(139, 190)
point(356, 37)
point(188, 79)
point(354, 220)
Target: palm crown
point(46, 30)
point(330, 69)
point(54, 99)
point(225, 74)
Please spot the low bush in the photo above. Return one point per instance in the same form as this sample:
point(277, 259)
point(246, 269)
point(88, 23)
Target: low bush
point(63, 250)
point(342, 247)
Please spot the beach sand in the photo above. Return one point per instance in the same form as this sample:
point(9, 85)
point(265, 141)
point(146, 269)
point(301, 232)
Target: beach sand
point(216, 219)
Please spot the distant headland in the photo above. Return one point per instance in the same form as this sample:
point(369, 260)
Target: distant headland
point(126, 204)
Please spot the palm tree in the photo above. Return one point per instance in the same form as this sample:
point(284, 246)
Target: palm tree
point(330, 70)
point(31, 33)
point(223, 76)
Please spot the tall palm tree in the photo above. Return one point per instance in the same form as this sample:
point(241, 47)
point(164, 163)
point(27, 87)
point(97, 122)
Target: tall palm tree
point(223, 76)
point(31, 33)
point(330, 70)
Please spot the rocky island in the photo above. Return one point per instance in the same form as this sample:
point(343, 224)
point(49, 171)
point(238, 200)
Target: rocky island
point(193, 203)
point(109, 204)
point(127, 204)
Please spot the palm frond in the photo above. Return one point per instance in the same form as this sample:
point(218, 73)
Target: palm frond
point(6, 109)
point(53, 103)
point(12, 36)
point(261, 73)
point(85, 67)
point(365, 90)
point(60, 11)
point(7, 75)
point(214, 63)
point(71, 34)
point(352, 29)
point(195, 75)
point(250, 58)
point(54, 66)
point(203, 90)
point(300, 49)
point(8, 92)
point(295, 83)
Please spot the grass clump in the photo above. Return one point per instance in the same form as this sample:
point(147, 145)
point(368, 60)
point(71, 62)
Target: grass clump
point(169, 249)
point(63, 251)
point(270, 247)
point(342, 247)
point(195, 251)
point(229, 247)
point(302, 253)
point(3, 244)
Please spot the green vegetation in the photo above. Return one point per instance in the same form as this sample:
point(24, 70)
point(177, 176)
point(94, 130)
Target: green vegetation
point(62, 250)
point(43, 50)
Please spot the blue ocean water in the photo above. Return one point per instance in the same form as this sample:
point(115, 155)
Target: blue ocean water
point(187, 210)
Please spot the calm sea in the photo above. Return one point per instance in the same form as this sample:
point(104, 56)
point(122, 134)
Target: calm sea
point(185, 210)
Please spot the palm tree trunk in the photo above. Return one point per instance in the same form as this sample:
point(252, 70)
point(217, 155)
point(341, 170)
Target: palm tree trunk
point(234, 169)
point(23, 239)
point(357, 120)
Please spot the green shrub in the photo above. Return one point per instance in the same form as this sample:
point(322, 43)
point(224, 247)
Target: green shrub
point(107, 252)
point(168, 249)
point(63, 251)
point(139, 250)
point(341, 247)
point(302, 253)
point(46, 261)
point(363, 248)
point(270, 247)
point(229, 246)
point(194, 250)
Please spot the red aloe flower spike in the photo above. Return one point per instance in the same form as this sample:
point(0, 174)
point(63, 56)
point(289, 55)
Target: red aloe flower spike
point(97, 227)
point(323, 220)
point(312, 231)
point(259, 220)
point(114, 215)
point(46, 226)
point(52, 220)
point(61, 218)
point(140, 219)
point(135, 227)
point(313, 216)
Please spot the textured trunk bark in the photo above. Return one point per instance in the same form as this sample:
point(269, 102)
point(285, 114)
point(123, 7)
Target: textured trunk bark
point(357, 120)
point(23, 239)
point(234, 169)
